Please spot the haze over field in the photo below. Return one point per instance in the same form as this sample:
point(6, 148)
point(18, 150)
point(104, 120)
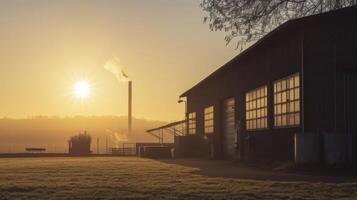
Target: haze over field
point(50, 46)
point(54, 132)
point(63, 58)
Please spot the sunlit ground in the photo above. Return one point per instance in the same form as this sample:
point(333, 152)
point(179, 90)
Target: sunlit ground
point(135, 178)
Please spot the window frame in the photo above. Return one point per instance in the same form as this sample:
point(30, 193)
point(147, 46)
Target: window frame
point(208, 111)
point(192, 120)
point(256, 101)
point(278, 97)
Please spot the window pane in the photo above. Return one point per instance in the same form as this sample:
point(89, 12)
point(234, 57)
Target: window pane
point(283, 108)
point(297, 118)
point(208, 119)
point(283, 97)
point(297, 93)
point(291, 83)
point(291, 95)
point(278, 100)
point(291, 119)
point(265, 111)
point(291, 107)
point(297, 106)
point(278, 109)
point(252, 124)
point(283, 120)
point(287, 102)
point(265, 122)
point(297, 80)
point(283, 85)
point(256, 109)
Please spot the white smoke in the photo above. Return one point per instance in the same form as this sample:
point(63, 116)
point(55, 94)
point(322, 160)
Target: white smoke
point(113, 65)
point(116, 137)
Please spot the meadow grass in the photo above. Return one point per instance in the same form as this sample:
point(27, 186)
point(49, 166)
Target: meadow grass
point(137, 178)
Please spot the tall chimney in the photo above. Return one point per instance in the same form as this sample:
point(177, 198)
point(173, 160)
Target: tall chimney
point(97, 145)
point(129, 107)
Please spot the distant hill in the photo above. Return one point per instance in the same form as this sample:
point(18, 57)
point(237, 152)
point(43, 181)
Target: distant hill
point(54, 132)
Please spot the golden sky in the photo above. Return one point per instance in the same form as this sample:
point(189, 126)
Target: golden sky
point(46, 46)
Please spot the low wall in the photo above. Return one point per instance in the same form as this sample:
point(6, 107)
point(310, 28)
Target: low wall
point(307, 148)
point(140, 146)
point(335, 148)
point(327, 148)
point(158, 152)
point(191, 146)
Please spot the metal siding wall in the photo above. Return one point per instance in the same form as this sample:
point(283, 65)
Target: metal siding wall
point(274, 60)
point(320, 82)
point(352, 111)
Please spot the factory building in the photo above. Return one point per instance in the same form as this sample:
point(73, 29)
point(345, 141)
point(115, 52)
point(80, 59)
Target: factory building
point(299, 78)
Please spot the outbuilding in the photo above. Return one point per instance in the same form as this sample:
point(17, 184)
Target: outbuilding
point(299, 78)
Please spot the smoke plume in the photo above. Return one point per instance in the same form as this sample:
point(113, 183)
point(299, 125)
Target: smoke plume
point(116, 137)
point(113, 66)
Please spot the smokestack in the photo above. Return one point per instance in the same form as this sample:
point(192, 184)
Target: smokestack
point(129, 107)
point(113, 66)
point(106, 144)
point(97, 145)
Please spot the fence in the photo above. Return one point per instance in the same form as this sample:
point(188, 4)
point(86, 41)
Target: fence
point(127, 149)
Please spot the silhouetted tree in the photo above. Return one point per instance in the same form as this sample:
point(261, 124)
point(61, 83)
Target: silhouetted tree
point(249, 20)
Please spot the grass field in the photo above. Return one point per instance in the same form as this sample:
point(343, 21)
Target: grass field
point(136, 178)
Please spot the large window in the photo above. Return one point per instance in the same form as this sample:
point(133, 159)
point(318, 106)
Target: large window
point(287, 101)
point(209, 120)
point(256, 108)
point(192, 123)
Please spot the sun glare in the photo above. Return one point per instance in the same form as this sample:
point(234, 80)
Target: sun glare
point(81, 89)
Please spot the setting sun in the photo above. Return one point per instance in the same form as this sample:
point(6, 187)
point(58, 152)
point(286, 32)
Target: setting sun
point(81, 89)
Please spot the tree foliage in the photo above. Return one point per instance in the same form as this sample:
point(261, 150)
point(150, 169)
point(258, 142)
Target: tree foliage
point(249, 20)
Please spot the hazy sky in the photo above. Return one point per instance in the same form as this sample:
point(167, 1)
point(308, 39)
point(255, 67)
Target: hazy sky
point(46, 46)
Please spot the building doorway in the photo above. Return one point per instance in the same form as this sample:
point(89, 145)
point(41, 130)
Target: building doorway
point(229, 127)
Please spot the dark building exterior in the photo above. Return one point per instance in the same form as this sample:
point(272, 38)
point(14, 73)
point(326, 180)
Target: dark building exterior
point(301, 77)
